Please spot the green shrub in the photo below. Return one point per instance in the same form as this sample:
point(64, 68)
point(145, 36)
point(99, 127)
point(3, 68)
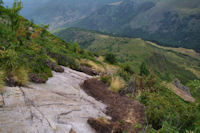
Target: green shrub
point(20, 76)
point(144, 70)
point(166, 111)
point(195, 89)
point(9, 60)
point(128, 68)
point(73, 64)
point(48, 72)
point(106, 79)
point(110, 58)
point(125, 75)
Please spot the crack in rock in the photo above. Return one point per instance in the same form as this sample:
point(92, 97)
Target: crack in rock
point(29, 102)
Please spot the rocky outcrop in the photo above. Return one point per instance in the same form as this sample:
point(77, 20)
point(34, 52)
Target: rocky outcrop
point(36, 78)
point(10, 81)
point(53, 66)
point(58, 106)
point(180, 86)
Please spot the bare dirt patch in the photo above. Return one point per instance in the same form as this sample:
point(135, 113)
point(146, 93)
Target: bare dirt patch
point(125, 112)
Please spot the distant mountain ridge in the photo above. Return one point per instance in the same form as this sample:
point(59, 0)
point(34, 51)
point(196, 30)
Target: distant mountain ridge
point(57, 13)
point(170, 23)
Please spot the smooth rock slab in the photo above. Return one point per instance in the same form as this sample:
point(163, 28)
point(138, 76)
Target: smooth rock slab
point(55, 107)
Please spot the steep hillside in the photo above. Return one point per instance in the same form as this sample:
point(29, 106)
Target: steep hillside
point(29, 52)
point(168, 63)
point(170, 23)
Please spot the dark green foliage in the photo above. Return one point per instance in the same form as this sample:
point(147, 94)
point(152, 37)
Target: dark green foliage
point(9, 59)
point(128, 68)
point(124, 74)
point(195, 89)
point(110, 58)
point(14, 14)
point(106, 79)
point(166, 111)
point(144, 70)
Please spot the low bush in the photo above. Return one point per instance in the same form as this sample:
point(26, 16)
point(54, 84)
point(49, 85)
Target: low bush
point(110, 58)
point(20, 76)
point(106, 79)
point(195, 89)
point(167, 112)
point(74, 64)
point(144, 70)
point(125, 75)
point(128, 68)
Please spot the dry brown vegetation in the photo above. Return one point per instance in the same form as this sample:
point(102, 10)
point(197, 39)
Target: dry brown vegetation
point(125, 112)
point(116, 84)
point(97, 67)
point(1, 82)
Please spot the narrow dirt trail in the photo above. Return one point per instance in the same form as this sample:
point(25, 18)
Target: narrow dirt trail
point(54, 107)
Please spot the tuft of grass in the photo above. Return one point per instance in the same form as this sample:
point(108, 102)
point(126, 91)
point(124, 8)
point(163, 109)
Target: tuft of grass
point(106, 79)
point(97, 67)
point(116, 84)
point(1, 82)
point(20, 75)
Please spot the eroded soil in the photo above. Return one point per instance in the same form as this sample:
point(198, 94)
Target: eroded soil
point(125, 112)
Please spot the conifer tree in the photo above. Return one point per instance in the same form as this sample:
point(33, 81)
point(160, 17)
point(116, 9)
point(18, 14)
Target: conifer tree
point(14, 14)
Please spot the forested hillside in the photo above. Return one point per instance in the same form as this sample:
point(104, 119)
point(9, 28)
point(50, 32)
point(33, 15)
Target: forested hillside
point(170, 23)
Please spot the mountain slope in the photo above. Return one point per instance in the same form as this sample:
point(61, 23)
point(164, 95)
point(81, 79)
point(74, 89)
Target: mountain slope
point(169, 23)
point(168, 63)
point(29, 52)
point(60, 12)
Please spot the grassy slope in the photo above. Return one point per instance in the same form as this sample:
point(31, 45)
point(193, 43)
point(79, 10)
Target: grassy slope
point(165, 61)
point(25, 49)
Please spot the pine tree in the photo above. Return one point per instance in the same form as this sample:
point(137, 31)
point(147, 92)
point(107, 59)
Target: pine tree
point(14, 14)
